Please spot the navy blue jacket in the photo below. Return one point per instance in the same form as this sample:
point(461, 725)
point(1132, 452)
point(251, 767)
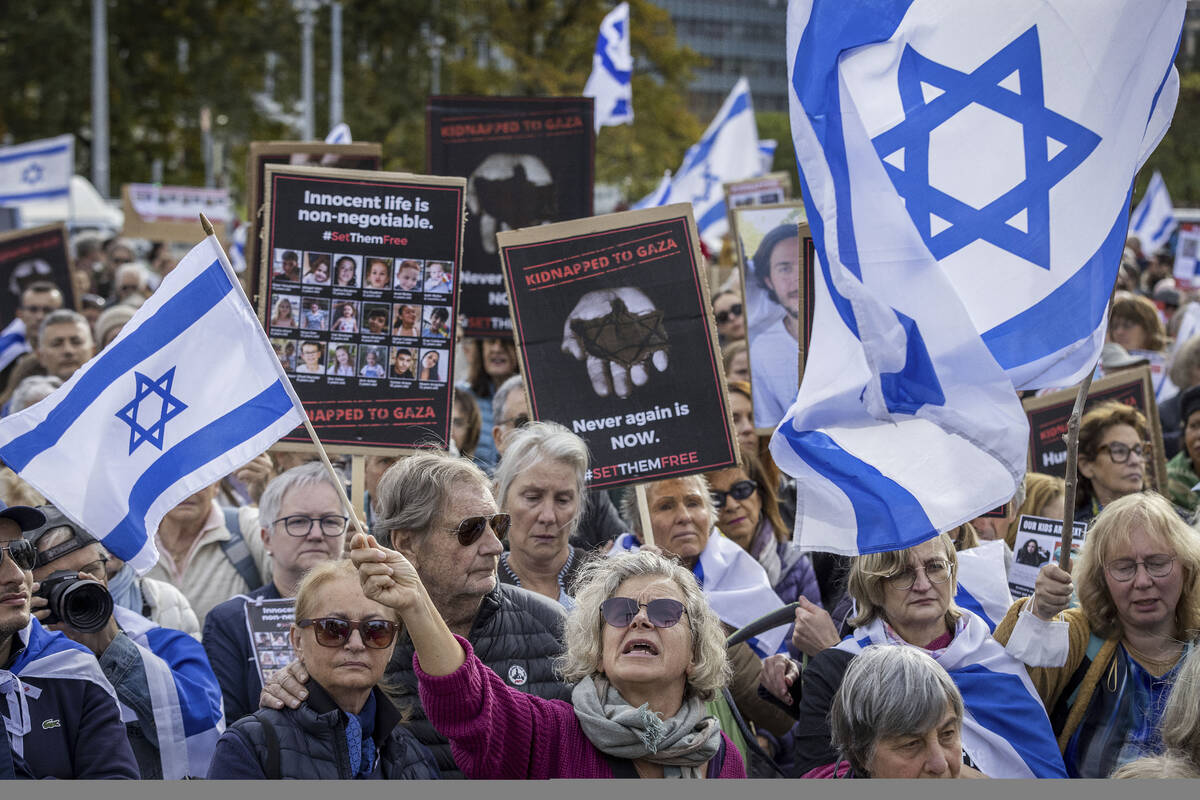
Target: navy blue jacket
point(227, 642)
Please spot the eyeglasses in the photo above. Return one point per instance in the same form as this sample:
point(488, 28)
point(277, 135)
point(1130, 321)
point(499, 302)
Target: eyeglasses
point(335, 632)
point(936, 570)
point(519, 421)
point(734, 310)
point(739, 491)
point(95, 568)
point(620, 611)
point(470, 529)
point(300, 525)
point(21, 552)
point(1157, 566)
point(1119, 452)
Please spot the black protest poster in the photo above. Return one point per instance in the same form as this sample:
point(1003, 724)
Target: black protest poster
point(354, 155)
point(611, 317)
point(527, 161)
point(29, 256)
point(359, 297)
point(1039, 541)
point(1049, 413)
point(269, 622)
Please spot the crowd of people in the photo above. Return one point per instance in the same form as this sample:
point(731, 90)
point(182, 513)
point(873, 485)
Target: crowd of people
point(484, 614)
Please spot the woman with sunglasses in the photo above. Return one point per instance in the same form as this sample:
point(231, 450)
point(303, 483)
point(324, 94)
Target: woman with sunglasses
point(643, 650)
point(727, 312)
point(1105, 668)
point(346, 728)
point(905, 598)
point(748, 514)
point(1114, 449)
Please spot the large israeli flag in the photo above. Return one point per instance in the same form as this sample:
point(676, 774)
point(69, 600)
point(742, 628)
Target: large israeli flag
point(966, 170)
point(611, 81)
point(1154, 218)
point(37, 170)
point(189, 391)
point(728, 151)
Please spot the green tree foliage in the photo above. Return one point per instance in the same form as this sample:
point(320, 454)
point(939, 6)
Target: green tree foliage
point(776, 125)
point(1175, 156)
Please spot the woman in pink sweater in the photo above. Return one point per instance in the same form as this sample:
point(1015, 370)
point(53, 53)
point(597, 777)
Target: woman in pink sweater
point(641, 678)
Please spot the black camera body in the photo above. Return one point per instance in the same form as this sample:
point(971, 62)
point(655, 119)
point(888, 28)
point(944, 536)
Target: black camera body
point(82, 603)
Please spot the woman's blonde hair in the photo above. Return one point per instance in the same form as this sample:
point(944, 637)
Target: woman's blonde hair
point(1165, 765)
point(1181, 719)
point(309, 591)
point(869, 574)
point(599, 580)
point(1153, 514)
point(1039, 490)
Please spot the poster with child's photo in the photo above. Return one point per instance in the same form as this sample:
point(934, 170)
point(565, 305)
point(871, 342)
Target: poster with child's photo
point(284, 309)
point(372, 362)
point(408, 274)
point(316, 269)
point(285, 264)
point(346, 270)
point(432, 367)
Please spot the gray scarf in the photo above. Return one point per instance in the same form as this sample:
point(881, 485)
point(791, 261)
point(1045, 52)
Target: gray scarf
point(683, 744)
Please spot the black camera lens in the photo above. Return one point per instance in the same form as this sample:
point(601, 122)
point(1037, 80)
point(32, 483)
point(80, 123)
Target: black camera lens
point(83, 604)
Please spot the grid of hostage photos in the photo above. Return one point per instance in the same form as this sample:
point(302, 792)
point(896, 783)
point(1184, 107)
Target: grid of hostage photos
point(351, 319)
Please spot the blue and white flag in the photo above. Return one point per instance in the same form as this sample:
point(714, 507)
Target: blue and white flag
point(656, 197)
point(1154, 218)
point(37, 170)
point(766, 151)
point(189, 391)
point(611, 81)
point(966, 169)
point(983, 582)
point(727, 152)
point(184, 695)
point(12, 342)
point(1005, 732)
point(339, 134)
point(46, 654)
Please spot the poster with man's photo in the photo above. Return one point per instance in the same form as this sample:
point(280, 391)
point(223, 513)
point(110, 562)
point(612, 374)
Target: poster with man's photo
point(359, 296)
point(777, 256)
point(617, 342)
point(527, 161)
point(356, 155)
point(30, 256)
point(269, 622)
point(1039, 542)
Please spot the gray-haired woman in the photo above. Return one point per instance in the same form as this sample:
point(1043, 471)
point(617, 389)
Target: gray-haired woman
point(898, 714)
point(641, 678)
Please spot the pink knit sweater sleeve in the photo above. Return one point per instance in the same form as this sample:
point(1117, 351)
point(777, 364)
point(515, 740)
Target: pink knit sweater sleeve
point(499, 732)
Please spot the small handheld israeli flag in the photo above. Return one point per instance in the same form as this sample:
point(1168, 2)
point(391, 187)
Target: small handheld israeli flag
point(728, 151)
point(611, 81)
point(189, 391)
point(339, 134)
point(1154, 218)
point(38, 170)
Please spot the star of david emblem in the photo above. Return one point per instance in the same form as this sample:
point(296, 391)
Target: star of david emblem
point(621, 335)
point(709, 181)
point(168, 407)
point(32, 174)
point(1010, 85)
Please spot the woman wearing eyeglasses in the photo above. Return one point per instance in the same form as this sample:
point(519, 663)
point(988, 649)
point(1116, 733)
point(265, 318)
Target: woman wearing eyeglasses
point(1114, 449)
point(346, 728)
point(905, 598)
point(1105, 667)
point(748, 514)
point(643, 650)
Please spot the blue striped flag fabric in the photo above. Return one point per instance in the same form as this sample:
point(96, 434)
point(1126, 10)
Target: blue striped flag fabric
point(1154, 217)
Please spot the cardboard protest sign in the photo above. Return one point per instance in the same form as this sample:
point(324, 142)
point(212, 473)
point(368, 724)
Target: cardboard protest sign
point(171, 213)
point(359, 295)
point(268, 622)
point(527, 161)
point(617, 343)
point(1039, 541)
point(359, 155)
point(769, 189)
point(28, 256)
point(777, 256)
point(1048, 416)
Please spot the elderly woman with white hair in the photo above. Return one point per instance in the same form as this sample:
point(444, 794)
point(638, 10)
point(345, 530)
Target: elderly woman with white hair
point(898, 714)
point(643, 650)
point(540, 484)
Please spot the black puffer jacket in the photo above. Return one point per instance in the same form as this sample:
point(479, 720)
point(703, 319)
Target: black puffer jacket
point(311, 744)
point(517, 634)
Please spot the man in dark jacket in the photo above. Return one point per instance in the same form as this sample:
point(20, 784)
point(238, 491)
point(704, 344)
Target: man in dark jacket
point(59, 711)
point(438, 511)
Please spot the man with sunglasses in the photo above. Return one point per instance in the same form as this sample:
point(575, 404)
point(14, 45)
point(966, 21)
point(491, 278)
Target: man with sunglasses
point(168, 694)
point(303, 524)
point(437, 510)
point(60, 712)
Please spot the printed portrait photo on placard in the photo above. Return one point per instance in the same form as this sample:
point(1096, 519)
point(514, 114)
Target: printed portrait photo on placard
point(316, 269)
point(346, 269)
point(344, 318)
point(285, 309)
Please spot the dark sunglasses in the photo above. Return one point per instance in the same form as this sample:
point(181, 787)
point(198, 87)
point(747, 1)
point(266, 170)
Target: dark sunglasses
point(335, 632)
point(734, 310)
point(620, 611)
point(21, 552)
point(739, 491)
point(471, 528)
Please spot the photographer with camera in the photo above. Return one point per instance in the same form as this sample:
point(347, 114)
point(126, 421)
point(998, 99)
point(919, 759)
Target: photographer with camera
point(59, 711)
point(170, 700)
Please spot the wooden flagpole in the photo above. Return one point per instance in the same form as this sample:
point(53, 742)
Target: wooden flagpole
point(1072, 476)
